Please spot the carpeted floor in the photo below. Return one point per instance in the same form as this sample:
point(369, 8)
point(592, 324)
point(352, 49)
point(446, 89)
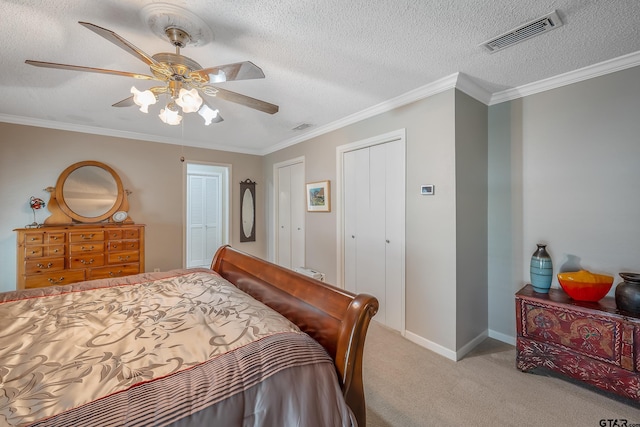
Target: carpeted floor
point(407, 385)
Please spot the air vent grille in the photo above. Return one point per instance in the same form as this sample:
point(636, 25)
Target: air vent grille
point(524, 32)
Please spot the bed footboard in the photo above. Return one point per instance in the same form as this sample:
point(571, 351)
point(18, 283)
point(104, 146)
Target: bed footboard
point(336, 318)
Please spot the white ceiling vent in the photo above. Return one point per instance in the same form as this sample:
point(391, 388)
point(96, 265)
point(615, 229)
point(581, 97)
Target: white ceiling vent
point(524, 32)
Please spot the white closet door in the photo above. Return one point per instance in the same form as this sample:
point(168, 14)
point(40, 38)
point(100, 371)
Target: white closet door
point(298, 209)
point(204, 222)
point(394, 232)
point(375, 280)
point(284, 217)
point(350, 206)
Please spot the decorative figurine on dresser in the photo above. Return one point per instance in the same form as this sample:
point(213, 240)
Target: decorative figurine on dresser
point(89, 234)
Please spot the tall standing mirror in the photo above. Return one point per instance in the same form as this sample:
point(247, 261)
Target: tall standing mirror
point(247, 211)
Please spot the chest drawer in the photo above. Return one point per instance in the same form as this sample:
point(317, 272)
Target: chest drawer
point(115, 271)
point(80, 248)
point(86, 236)
point(84, 261)
point(34, 251)
point(123, 257)
point(34, 238)
point(64, 277)
point(55, 238)
point(123, 245)
point(43, 265)
point(591, 335)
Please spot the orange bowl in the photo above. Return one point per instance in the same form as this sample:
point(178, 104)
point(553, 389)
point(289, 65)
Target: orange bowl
point(585, 286)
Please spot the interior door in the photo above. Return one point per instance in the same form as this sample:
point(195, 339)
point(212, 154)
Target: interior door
point(206, 213)
point(290, 216)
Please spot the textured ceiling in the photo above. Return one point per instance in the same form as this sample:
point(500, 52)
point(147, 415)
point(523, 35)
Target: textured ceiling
point(323, 60)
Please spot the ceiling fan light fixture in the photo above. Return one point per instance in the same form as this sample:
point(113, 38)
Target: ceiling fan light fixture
point(143, 99)
point(189, 100)
point(208, 114)
point(169, 116)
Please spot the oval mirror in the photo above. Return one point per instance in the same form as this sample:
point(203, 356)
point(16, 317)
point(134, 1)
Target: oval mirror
point(247, 213)
point(89, 191)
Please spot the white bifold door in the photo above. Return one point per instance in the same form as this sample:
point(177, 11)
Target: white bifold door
point(290, 251)
point(373, 208)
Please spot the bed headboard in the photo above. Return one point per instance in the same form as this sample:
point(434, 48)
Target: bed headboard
point(336, 318)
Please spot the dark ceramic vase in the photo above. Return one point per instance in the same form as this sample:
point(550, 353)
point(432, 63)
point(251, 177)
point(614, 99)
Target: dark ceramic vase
point(541, 270)
point(628, 293)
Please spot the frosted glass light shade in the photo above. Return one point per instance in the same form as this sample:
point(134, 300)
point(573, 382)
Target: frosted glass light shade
point(189, 100)
point(170, 117)
point(208, 114)
point(143, 99)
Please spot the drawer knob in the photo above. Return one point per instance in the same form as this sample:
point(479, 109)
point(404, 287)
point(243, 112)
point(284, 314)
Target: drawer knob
point(84, 261)
point(55, 282)
point(88, 249)
point(87, 236)
point(49, 265)
point(123, 258)
point(116, 274)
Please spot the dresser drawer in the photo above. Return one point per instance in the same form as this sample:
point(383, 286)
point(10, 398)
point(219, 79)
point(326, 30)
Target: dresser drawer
point(115, 271)
point(84, 261)
point(64, 277)
point(86, 236)
point(54, 250)
point(114, 234)
point(55, 238)
point(44, 265)
point(34, 238)
point(34, 251)
point(130, 233)
point(123, 257)
point(79, 248)
point(123, 245)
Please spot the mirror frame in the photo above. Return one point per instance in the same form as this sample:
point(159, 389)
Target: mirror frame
point(249, 185)
point(58, 194)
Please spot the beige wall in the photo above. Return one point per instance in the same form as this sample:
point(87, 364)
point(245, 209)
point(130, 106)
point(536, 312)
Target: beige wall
point(564, 170)
point(431, 249)
point(31, 159)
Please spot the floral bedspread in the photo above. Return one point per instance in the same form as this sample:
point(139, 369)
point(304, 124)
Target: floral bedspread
point(63, 349)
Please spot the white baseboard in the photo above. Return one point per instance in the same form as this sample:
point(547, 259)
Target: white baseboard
point(502, 337)
point(443, 351)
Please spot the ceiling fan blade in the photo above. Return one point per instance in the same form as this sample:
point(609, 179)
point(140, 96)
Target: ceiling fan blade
point(90, 69)
point(120, 42)
point(222, 73)
point(241, 99)
point(128, 102)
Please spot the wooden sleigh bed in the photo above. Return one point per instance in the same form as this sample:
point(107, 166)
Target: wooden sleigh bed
point(157, 382)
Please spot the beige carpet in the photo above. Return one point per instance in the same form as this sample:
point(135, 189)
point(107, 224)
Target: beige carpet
point(407, 385)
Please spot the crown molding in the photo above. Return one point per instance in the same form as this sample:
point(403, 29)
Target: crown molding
point(445, 83)
point(51, 124)
point(589, 72)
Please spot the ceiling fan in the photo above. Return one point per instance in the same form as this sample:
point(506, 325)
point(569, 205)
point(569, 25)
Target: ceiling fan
point(182, 79)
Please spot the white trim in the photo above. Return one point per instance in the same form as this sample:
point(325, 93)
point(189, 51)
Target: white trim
point(430, 345)
point(502, 337)
point(585, 73)
point(426, 91)
point(276, 190)
point(399, 134)
point(92, 130)
point(471, 345)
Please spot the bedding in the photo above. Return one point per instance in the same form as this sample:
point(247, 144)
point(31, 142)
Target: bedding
point(181, 348)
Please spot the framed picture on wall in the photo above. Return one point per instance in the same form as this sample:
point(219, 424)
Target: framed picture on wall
point(319, 196)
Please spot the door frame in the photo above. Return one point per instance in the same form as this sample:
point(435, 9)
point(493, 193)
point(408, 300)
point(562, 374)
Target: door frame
point(229, 196)
point(397, 135)
point(275, 200)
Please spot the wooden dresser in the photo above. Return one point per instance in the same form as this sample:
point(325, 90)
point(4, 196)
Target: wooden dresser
point(588, 341)
point(60, 255)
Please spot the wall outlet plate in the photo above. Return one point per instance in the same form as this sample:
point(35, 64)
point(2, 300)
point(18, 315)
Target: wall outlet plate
point(427, 189)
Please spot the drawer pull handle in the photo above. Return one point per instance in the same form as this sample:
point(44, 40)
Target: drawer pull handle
point(34, 252)
point(84, 261)
point(55, 282)
point(49, 265)
point(87, 236)
point(55, 251)
point(34, 239)
point(123, 258)
point(117, 274)
point(54, 237)
point(88, 249)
